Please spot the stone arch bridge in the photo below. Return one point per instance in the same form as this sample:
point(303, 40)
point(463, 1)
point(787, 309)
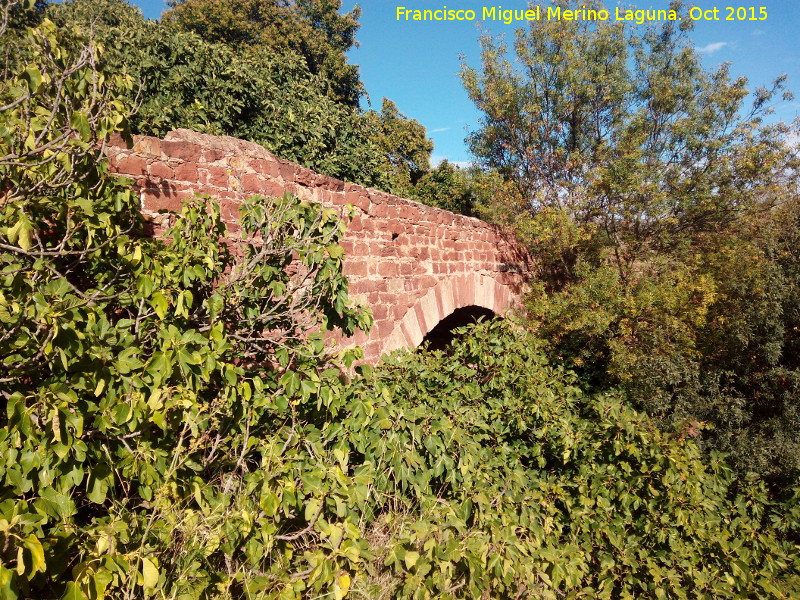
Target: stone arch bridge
point(414, 265)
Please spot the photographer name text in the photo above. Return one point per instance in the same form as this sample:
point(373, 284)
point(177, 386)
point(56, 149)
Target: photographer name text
point(556, 13)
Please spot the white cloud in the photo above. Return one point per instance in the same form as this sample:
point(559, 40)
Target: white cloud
point(711, 48)
point(439, 130)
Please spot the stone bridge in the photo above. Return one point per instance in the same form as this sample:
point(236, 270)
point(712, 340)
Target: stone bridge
point(414, 265)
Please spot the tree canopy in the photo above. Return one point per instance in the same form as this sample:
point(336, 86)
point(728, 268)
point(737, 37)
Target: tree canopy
point(661, 203)
point(313, 29)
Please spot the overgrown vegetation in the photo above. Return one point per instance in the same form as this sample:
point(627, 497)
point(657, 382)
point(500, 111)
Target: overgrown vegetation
point(663, 212)
point(274, 73)
point(170, 429)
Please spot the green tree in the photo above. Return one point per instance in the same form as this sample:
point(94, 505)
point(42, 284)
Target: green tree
point(186, 81)
point(403, 143)
point(312, 29)
point(467, 191)
point(635, 172)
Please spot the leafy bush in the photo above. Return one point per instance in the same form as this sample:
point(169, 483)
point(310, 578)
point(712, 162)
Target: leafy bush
point(496, 473)
point(130, 366)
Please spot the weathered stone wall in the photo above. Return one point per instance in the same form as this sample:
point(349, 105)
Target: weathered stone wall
point(412, 264)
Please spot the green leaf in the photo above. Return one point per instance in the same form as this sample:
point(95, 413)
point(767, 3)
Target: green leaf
point(33, 77)
point(159, 304)
point(149, 574)
point(73, 592)
point(21, 232)
point(312, 507)
point(34, 546)
point(99, 481)
point(55, 504)
point(80, 123)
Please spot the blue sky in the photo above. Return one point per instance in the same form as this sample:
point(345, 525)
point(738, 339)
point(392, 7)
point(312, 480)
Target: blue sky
point(416, 64)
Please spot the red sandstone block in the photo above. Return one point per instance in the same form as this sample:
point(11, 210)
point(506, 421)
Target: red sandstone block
point(384, 328)
point(186, 172)
point(157, 199)
point(361, 202)
point(353, 268)
point(368, 286)
point(381, 211)
point(378, 197)
point(332, 184)
point(145, 145)
point(210, 155)
point(356, 200)
point(398, 310)
point(409, 212)
point(229, 209)
point(287, 171)
point(424, 323)
point(305, 177)
point(392, 212)
point(388, 269)
point(116, 141)
point(217, 176)
point(407, 267)
point(182, 150)
point(355, 225)
point(396, 227)
point(389, 251)
point(252, 183)
point(268, 168)
point(272, 189)
point(424, 231)
point(426, 281)
point(161, 170)
point(131, 165)
point(333, 198)
point(372, 350)
point(380, 311)
point(361, 249)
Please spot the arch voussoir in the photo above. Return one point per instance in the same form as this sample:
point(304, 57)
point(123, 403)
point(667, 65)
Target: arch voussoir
point(442, 300)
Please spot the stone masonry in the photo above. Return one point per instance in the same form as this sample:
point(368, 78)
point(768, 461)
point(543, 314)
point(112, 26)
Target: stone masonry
point(412, 264)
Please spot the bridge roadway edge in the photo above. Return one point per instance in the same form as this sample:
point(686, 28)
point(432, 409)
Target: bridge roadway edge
point(411, 263)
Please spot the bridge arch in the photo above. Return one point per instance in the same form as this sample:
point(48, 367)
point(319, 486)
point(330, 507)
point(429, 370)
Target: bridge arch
point(411, 264)
point(441, 301)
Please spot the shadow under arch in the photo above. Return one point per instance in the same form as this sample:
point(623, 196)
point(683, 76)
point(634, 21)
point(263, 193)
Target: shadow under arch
point(479, 294)
point(441, 336)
